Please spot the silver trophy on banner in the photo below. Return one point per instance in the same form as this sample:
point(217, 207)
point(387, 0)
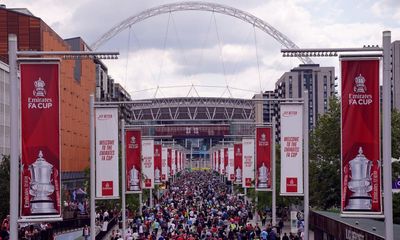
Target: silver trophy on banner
point(41, 186)
point(360, 183)
point(157, 175)
point(262, 176)
point(134, 179)
point(238, 175)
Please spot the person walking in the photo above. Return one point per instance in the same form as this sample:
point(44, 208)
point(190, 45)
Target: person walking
point(285, 237)
point(86, 232)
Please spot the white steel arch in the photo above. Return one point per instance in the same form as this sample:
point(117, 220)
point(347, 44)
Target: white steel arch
point(200, 6)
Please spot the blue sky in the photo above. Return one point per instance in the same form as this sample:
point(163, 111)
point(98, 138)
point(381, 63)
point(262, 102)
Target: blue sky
point(205, 49)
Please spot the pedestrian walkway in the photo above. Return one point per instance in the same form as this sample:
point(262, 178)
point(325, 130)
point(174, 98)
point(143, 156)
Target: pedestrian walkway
point(198, 205)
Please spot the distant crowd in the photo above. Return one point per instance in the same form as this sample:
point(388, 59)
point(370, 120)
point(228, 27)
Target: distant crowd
point(198, 205)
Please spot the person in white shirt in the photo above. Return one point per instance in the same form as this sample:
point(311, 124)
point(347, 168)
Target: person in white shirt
point(135, 235)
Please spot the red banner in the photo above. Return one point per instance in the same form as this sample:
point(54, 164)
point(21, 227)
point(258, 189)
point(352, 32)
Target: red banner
point(220, 166)
point(40, 135)
point(226, 161)
point(361, 185)
point(238, 153)
point(169, 161)
point(263, 158)
point(157, 163)
point(133, 140)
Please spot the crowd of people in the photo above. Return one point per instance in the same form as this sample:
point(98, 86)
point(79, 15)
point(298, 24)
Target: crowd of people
point(5, 228)
point(198, 205)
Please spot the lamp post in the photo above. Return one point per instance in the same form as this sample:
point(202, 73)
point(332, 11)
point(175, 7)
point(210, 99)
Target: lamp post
point(386, 114)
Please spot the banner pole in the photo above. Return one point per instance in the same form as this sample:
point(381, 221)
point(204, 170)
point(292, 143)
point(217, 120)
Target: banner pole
point(306, 180)
point(14, 127)
point(386, 137)
point(273, 173)
point(92, 171)
point(151, 198)
point(140, 203)
point(123, 178)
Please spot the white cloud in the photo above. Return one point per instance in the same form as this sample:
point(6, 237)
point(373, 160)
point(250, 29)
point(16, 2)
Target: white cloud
point(389, 9)
point(192, 54)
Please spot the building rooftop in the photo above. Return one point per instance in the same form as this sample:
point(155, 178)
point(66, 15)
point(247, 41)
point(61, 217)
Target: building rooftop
point(21, 10)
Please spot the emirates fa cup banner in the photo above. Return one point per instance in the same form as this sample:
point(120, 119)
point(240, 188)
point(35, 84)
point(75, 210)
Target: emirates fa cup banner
point(133, 146)
point(263, 161)
point(164, 164)
point(226, 160)
point(231, 164)
point(169, 161)
point(248, 162)
point(157, 163)
point(221, 161)
point(361, 173)
point(178, 162)
point(40, 135)
point(291, 149)
point(237, 148)
point(148, 163)
point(173, 166)
point(107, 176)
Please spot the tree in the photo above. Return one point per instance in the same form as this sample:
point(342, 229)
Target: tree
point(5, 186)
point(396, 134)
point(325, 159)
point(396, 166)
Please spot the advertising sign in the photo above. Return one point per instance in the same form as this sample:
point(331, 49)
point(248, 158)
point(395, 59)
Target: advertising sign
point(164, 164)
point(133, 139)
point(237, 148)
point(361, 172)
point(173, 166)
point(396, 185)
point(263, 161)
point(178, 161)
point(291, 149)
point(226, 162)
point(248, 162)
point(169, 161)
point(221, 161)
point(148, 163)
point(192, 131)
point(40, 135)
point(157, 163)
point(107, 176)
point(231, 164)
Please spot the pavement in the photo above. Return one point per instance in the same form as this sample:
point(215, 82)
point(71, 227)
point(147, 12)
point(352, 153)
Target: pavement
point(286, 227)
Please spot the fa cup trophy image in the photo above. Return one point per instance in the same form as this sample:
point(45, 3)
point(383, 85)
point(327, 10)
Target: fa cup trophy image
point(134, 180)
point(262, 176)
point(157, 175)
point(41, 186)
point(238, 175)
point(360, 183)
